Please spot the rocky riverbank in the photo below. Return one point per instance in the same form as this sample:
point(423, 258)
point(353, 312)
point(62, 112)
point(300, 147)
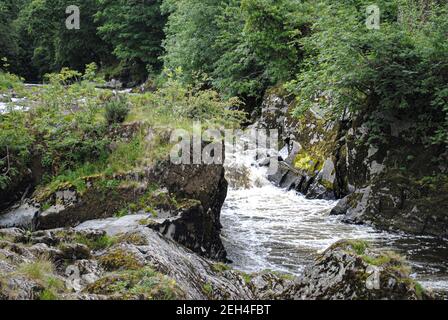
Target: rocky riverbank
point(153, 232)
point(123, 259)
point(387, 177)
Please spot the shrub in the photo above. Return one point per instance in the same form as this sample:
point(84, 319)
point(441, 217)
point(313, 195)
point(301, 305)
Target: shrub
point(95, 243)
point(117, 110)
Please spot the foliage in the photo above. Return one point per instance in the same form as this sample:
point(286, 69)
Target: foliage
point(142, 284)
point(399, 69)
point(116, 110)
point(243, 46)
point(10, 81)
point(15, 144)
point(42, 23)
point(175, 105)
point(134, 29)
point(96, 243)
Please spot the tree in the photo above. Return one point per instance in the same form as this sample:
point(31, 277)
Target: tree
point(191, 32)
point(41, 24)
point(134, 29)
point(9, 48)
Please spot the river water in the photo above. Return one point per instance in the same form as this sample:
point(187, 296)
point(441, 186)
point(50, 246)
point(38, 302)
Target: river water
point(265, 227)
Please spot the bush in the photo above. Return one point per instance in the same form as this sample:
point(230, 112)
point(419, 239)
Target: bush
point(117, 110)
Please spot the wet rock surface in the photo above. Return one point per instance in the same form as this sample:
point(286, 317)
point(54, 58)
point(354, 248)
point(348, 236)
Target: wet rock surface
point(389, 180)
point(140, 263)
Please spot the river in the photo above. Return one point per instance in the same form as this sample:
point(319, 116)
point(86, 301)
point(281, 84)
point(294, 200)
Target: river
point(265, 227)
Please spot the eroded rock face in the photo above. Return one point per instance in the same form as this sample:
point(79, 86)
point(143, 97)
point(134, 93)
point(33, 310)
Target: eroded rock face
point(310, 151)
point(392, 179)
point(140, 263)
point(188, 211)
point(133, 255)
point(398, 182)
point(206, 187)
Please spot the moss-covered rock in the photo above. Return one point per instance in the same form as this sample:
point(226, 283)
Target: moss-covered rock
point(142, 284)
point(118, 258)
point(350, 269)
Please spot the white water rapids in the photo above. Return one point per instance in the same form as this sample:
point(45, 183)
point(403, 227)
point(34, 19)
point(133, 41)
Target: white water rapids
point(265, 227)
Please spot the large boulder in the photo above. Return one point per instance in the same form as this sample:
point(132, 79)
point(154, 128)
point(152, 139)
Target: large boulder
point(349, 269)
point(186, 198)
point(121, 258)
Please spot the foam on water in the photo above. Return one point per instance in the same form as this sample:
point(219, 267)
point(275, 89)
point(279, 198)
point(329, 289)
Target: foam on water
point(265, 227)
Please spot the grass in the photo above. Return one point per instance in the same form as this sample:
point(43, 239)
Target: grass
point(207, 289)
point(42, 271)
point(127, 155)
point(359, 246)
point(145, 283)
point(220, 267)
point(37, 270)
point(419, 290)
point(118, 259)
point(246, 277)
point(387, 258)
point(95, 244)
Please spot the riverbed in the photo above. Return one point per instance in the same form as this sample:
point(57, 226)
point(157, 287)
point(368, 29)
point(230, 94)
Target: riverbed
point(265, 227)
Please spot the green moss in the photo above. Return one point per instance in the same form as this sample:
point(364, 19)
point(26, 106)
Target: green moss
point(147, 222)
point(207, 289)
point(392, 259)
point(220, 267)
point(132, 238)
point(118, 259)
point(95, 243)
point(308, 162)
point(327, 184)
point(144, 283)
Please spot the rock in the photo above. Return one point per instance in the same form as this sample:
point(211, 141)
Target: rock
point(351, 270)
point(272, 286)
point(143, 257)
point(341, 207)
point(71, 208)
point(22, 216)
point(311, 145)
point(382, 174)
point(203, 183)
point(75, 251)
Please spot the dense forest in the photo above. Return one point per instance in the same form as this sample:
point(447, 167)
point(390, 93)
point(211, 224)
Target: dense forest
point(243, 47)
point(377, 76)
